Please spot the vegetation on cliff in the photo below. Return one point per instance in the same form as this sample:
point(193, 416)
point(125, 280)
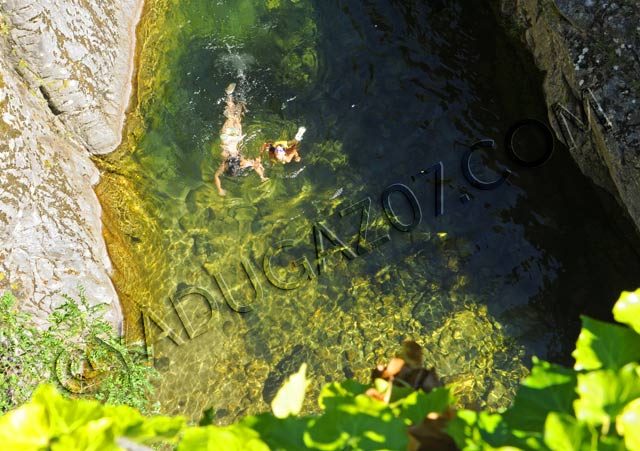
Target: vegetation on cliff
point(595, 405)
point(79, 352)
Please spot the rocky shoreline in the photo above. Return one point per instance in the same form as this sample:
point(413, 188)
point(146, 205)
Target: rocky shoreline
point(65, 83)
point(588, 54)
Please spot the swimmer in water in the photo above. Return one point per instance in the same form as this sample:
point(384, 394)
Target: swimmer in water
point(234, 163)
point(284, 151)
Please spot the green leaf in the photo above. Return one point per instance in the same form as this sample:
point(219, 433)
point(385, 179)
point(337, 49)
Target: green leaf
point(96, 435)
point(212, 438)
point(289, 399)
point(357, 423)
point(26, 428)
point(278, 434)
point(628, 424)
point(463, 429)
point(562, 432)
point(604, 394)
point(418, 404)
point(627, 309)
point(484, 431)
point(611, 443)
point(340, 390)
point(128, 422)
point(549, 388)
point(65, 416)
point(605, 345)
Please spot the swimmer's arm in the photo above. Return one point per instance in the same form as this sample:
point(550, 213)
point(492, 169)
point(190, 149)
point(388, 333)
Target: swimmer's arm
point(216, 178)
point(292, 151)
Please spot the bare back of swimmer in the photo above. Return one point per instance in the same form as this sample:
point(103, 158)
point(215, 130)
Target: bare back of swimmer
point(231, 135)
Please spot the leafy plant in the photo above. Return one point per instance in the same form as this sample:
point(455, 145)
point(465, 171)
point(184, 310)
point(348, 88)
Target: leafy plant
point(593, 406)
point(79, 352)
point(54, 423)
point(20, 355)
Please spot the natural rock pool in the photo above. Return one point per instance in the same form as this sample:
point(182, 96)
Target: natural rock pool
point(386, 89)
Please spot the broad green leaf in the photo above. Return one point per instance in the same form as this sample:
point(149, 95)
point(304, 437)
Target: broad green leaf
point(26, 428)
point(360, 404)
point(604, 394)
point(67, 425)
point(484, 431)
point(627, 309)
point(289, 399)
point(463, 429)
point(96, 435)
point(628, 425)
point(358, 423)
point(612, 443)
point(212, 438)
point(549, 388)
point(605, 345)
point(565, 433)
point(75, 424)
point(128, 422)
point(66, 415)
point(278, 434)
point(418, 404)
point(342, 390)
point(497, 434)
point(562, 432)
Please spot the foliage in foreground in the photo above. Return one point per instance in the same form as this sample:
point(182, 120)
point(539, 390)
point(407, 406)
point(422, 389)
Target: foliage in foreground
point(594, 406)
point(79, 352)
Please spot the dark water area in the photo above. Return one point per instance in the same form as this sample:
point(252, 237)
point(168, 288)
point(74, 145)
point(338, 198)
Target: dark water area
point(386, 89)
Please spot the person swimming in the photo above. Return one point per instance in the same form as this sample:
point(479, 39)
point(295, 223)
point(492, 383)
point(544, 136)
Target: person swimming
point(234, 163)
point(284, 151)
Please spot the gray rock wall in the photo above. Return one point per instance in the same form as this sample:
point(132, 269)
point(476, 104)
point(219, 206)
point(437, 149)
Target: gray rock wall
point(78, 53)
point(591, 44)
point(65, 77)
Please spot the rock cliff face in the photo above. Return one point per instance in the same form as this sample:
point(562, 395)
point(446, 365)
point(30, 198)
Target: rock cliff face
point(65, 76)
point(78, 53)
point(592, 44)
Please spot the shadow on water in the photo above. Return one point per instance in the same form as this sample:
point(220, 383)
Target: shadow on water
point(386, 89)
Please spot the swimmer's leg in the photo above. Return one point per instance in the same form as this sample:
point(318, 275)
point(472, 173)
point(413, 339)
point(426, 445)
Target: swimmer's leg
point(216, 178)
point(300, 133)
point(296, 140)
point(231, 109)
point(234, 110)
point(257, 166)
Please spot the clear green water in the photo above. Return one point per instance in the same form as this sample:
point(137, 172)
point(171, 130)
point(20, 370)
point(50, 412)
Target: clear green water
point(385, 88)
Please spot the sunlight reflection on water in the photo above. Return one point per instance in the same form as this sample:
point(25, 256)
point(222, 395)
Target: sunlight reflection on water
point(385, 91)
